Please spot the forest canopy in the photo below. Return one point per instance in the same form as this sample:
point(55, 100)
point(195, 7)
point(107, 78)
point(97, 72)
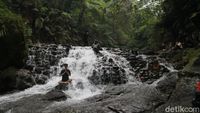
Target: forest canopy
point(112, 22)
point(115, 23)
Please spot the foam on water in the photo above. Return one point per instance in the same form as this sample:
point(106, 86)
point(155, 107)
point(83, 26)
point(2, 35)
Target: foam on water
point(81, 61)
point(122, 63)
point(37, 89)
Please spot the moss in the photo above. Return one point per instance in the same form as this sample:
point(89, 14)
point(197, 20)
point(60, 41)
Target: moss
point(192, 54)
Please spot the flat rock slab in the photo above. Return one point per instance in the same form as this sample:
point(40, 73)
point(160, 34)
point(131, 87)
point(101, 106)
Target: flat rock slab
point(33, 104)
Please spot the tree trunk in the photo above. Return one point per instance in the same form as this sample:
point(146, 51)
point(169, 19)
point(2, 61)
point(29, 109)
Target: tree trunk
point(81, 14)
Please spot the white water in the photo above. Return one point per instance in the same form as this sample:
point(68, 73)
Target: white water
point(81, 62)
point(37, 89)
point(121, 62)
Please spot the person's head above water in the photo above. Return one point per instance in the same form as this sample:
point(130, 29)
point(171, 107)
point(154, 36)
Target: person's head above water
point(96, 42)
point(65, 65)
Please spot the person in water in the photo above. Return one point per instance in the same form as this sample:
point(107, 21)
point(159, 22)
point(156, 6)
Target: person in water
point(65, 73)
point(96, 47)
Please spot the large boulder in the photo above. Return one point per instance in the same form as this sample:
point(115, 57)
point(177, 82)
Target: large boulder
point(182, 95)
point(168, 84)
point(7, 79)
point(24, 79)
point(14, 79)
point(55, 95)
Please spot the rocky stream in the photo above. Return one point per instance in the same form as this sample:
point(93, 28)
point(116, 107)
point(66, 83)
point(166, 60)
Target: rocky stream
point(113, 81)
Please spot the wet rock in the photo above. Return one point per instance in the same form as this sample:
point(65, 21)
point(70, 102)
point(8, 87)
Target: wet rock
point(62, 86)
point(39, 70)
point(24, 79)
point(7, 80)
point(197, 62)
point(131, 57)
point(46, 72)
point(182, 95)
point(196, 66)
point(41, 79)
point(120, 99)
point(110, 60)
point(95, 79)
point(149, 52)
point(55, 95)
point(79, 85)
point(43, 56)
point(168, 84)
point(29, 67)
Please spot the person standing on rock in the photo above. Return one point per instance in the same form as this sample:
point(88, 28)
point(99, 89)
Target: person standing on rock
point(65, 73)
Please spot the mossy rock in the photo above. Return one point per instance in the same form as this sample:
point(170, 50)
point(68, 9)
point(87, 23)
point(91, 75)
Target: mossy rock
point(193, 56)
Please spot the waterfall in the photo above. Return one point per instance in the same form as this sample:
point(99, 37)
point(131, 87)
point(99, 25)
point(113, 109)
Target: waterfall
point(90, 73)
point(83, 62)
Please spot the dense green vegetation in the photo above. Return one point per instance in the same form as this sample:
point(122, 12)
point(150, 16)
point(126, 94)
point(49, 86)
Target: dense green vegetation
point(116, 23)
point(80, 22)
point(181, 21)
point(12, 41)
point(134, 24)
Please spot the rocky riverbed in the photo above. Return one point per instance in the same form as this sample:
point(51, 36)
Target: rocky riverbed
point(172, 90)
point(156, 85)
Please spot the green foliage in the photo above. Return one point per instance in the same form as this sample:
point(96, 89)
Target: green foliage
point(181, 21)
point(144, 32)
point(112, 22)
point(12, 41)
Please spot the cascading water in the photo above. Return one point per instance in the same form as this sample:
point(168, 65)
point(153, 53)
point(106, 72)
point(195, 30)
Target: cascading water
point(81, 61)
point(89, 73)
point(111, 59)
